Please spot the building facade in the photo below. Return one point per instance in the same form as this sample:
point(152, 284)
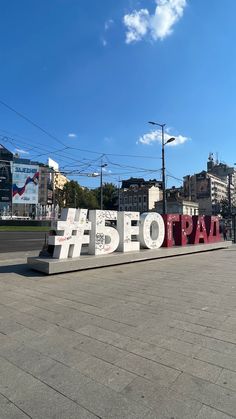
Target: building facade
point(136, 194)
point(27, 188)
point(6, 158)
point(212, 188)
point(177, 204)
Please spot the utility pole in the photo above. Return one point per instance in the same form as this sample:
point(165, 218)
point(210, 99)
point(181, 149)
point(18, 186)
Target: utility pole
point(119, 194)
point(229, 194)
point(163, 143)
point(101, 184)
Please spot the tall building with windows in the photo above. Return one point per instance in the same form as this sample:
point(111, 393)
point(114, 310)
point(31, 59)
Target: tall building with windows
point(6, 159)
point(177, 204)
point(27, 187)
point(136, 194)
point(212, 188)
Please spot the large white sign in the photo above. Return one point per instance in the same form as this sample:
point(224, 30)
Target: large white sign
point(105, 232)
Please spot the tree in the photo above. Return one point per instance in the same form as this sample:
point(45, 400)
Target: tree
point(110, 195)
point(74, 196)
point(226, 210)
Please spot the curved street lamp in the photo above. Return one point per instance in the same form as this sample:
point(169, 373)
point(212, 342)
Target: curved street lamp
point(163, 161)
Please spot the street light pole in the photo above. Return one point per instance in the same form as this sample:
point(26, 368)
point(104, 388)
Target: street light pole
point(163, 169)
point(101, 185)
point(163, 143)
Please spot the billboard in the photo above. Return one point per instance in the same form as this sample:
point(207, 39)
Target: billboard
point(53, 164)
point(25, 184)
point(5, 182)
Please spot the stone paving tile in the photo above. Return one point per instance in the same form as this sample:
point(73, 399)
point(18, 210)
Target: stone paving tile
point(30, 322)
point(148, 369)
point(105, 373)
point(106, 336)
point(226, 336)
point(8, 410)
point(162, 400)
point(34, 397)
point(227, 379)
point(146, 350)
point(207, 393)
point(93, 396)
point(191, 366)
point(99, 349)
point(208, 413)
point(223, 360)
point(205, 341)
point(64, 339)
point(25, 358)
point(176, 345)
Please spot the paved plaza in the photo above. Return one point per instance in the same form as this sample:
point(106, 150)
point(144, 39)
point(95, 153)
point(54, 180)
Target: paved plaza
point(150, 340)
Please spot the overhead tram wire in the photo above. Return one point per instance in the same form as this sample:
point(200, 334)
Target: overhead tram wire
point(84, 165)
point(81, 163)
point(174, 177)
point(133, 167)
point(69, 147)
point(66, 147)
point(17, 144)
point(31, 122)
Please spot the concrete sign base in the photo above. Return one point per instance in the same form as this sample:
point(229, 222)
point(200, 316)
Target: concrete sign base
point(56, 266)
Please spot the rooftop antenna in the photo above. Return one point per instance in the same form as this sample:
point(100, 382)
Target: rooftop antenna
point(211, 157)
point(217, 157)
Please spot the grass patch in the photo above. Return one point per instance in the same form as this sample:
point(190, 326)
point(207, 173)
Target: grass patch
point(24, 228)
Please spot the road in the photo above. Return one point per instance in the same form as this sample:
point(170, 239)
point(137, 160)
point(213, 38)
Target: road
point(18, 241)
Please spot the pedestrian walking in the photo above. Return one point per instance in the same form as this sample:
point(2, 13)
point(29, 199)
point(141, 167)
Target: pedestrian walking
point(225, 232)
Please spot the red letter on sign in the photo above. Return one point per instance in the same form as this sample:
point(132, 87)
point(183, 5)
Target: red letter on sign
point(199, 233)
point(184, 229)
point(213, 229)
point(169, 220)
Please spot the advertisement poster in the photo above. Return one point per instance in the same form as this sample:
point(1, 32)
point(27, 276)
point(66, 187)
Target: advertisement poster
point(5, 182)
point(25, 184)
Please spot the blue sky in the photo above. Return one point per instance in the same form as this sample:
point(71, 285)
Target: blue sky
point(93, 73)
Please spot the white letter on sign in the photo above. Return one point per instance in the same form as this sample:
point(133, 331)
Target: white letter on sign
point(152, 230)
point(127, 230)
point(103, 239)
point(70, 233)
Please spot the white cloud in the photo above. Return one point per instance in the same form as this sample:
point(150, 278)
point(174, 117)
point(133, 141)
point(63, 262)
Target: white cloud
point(21, 151)
point(156, 136)
point(137, 24)
point(72, 135)
point(104, 42)
point(108, 24)
point(158, 25)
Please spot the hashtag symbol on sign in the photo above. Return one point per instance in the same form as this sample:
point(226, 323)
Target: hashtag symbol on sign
point(70, 233)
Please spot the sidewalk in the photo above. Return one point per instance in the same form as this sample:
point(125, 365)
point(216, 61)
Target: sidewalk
point(153, 340)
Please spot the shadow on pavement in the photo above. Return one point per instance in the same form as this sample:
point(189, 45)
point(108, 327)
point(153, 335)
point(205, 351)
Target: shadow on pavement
point(21, 269)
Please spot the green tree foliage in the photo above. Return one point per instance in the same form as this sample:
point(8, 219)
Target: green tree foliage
point(74, 196)
point(225, 209)
point(110, 196)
